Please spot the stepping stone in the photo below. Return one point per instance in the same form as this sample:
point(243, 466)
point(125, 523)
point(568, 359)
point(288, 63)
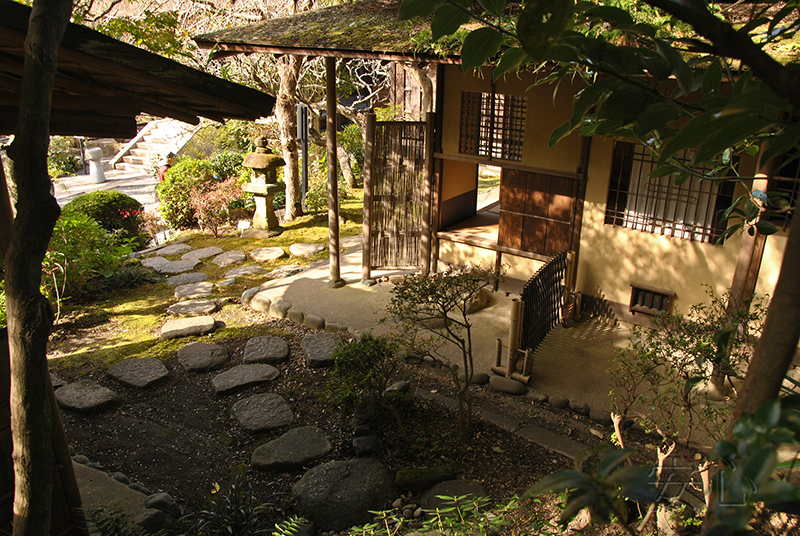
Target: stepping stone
point(279, 308)
point(319, 348)
point(174, 249)
point(229, 257)
point(56, 380)
point(139, 372)
point(202, 356)
point(507, 385)
point(263, 412)
point(260, 302)
point(183, 327)
point(305, 250)
point(86, 396)
point(247, 296)
point(244, 270)
point(194, 290)
point(154, 262)
point(226, 282)
point(192, 308)
point(242, 376)
point(267, 349)
point(267, 254)
point(186, 279)
point(293, 450)
point(202, 253)
point(163, 266)
point(282, 272)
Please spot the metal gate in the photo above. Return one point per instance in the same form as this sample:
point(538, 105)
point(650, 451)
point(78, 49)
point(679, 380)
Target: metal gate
point(543, 296)
point(397, 195)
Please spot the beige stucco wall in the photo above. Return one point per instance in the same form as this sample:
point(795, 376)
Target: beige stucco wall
point(513, 267)
point(610, 258)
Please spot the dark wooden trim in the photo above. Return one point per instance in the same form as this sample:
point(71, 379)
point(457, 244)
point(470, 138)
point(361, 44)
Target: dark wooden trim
point(224, 50)
point(369, 151)
point(509, 165)
point(426, 196)
point(484, 243)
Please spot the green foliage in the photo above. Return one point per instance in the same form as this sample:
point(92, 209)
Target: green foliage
point(227, 165)
point(113, 210)
point(60, 159)
point(236, 512)
point(351, 140)
point(317, 194)
point(182, 182)
point(363, 368)
point(156, 31)
point(80, 251)
point(670, 368)
point(211, 207)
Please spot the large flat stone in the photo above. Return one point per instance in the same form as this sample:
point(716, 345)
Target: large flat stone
point(306, 250)
point(139, 372)
point(194, 290)
point(263, 412)
point(97, 488)
point(186, 279)
point(319, 348)
point(282, 272)
point(163, 266)
point(266, 349)
point(154, 262)
point(174, 249)
point(192, 308)
point(202, 253)
point(229, 257)
point(244, 270)
point(294, 449)
point(267, 254)
point(86, 396)
point(202, 356)
point(243, 376)
point(184, 327)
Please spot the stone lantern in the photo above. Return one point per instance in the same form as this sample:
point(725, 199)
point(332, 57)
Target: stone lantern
point(264, 185)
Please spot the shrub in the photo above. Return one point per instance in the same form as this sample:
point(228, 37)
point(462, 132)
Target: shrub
point(211, 207)
point(227, 165)
point(113, 210)
point(60, 160)
point(351, 140)
point(183, 181)
point(79, 251)
point(236, 512)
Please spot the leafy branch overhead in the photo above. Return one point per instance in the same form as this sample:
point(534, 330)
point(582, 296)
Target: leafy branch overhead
point(714, 89)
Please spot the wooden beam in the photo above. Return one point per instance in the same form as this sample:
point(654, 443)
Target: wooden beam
point(224, 50)
point(64, 123)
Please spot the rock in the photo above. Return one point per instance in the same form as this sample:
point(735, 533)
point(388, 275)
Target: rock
point(242, 271)
point(152, 520)
point(201, 356)
point(247, 295)
point(507, 385)
point(81, 459)
point(229, 257)
point(365, 445)
point(163, 266)
point(267, 254)
point(581, 521)
point(186, 279)
point(319, 348)
point(260, 302)
point(295, 316)
point(306, 250)
point(314, 322)
point(154, 262)
point(242, 376)
point(282, 272)
point(478, 301)
point(419, 480)
point(183, 327)
point(450, 488)
point(601, 416)
point(201, 253)
point(263, 412)
point(536, 395)
point(98, 466)
point(339, 494)
point(86, 396)
point(226, 282)
point(98, 488)
point(56, 380)
point(363, 430)
point(581, 408)
point(192, 308)
point(558, 401)
point(266, 349)
point(335, 328)
point(174, 249)
point(139, 372)
point(279, 308)
point(478, 378)
point(135, 486)
point(120, 477)
point(396, 279)
point(294, 449)
point(164, 502)
point(194, 290)
point(398, 387)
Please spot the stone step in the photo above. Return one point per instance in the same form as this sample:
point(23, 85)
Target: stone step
point(150, 138)
point(144, 153)
point(136, 160)
point(153, 147)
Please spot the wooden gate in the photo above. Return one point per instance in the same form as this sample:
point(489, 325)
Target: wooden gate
point(397, 195)
point(543, 296)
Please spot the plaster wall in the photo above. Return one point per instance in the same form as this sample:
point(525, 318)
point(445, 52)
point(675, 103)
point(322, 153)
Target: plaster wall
point(461, 254)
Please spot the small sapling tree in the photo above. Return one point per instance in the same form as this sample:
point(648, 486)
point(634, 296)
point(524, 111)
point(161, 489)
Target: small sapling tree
point(439, 304)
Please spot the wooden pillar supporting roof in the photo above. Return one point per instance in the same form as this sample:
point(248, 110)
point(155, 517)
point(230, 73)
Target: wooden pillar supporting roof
point(336, 280)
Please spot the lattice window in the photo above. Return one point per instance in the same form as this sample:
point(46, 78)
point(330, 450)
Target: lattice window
point(692, 210)
point(649, 300)
point(492, 125)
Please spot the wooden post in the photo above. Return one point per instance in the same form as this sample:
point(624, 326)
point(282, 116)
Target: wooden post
point(513, 335)
point(366, 247)
point(333, 183)
point(748, 262)
point(426, 195)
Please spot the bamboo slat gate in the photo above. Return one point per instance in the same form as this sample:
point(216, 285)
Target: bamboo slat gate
point(397, 195)
point(543, 296)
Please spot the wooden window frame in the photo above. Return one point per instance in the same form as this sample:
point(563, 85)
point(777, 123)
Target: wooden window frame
point(649, 300)
point(493, 125)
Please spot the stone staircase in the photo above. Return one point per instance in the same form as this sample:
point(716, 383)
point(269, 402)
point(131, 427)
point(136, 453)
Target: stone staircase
point(156, 139)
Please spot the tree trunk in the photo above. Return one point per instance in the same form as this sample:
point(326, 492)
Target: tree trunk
point(341, 156)
point(29, 314)
point(425, 86)
point(289, 70)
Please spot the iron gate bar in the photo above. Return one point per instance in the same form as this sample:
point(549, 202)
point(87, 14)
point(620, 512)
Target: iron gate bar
point(542, 297)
